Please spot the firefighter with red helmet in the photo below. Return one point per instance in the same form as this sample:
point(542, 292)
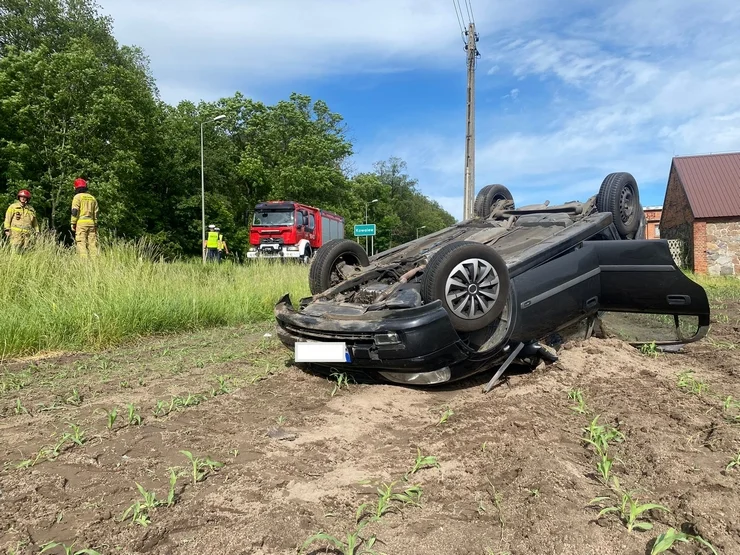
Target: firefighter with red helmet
point(20, 221)
point(85, 220)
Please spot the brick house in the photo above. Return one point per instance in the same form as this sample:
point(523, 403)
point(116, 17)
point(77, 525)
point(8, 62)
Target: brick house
point(652, 221)
point(702, 209)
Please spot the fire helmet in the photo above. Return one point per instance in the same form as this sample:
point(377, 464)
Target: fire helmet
point(79, 182)
point(24, 193)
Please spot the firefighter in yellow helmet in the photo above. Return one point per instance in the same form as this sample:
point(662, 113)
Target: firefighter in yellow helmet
point(85, 220)
point(20, 221)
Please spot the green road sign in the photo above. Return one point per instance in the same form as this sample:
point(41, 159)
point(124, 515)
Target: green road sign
point(364, 230)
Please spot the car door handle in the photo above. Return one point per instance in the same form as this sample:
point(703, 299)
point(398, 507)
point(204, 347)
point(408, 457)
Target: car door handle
point(592, 302)
point(678, 300)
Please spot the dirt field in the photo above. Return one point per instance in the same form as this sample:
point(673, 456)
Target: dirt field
point(513, 474)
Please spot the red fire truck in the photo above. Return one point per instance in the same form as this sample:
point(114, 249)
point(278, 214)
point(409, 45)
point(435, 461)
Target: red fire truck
point(287, 229)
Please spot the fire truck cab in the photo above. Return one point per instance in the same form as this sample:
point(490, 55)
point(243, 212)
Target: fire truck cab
point(287, 229)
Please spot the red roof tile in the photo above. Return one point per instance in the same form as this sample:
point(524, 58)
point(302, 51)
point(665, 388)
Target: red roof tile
point(712, 183)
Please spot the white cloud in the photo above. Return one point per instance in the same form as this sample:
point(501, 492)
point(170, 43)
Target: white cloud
point(284, 40)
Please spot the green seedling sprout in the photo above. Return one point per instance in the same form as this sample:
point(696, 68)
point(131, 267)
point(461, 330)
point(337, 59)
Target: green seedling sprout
point(77, 436)
point(628, 510)
point(577, 396)
point(139, 511)
point(650, 349)
point(354, 544)
point(19, 408)
point(134, 418)
point(161, 409)
point(171, 492)
point(67, 549)
point(411, 495)
point(734, 462)
point(421, 462)
point(112, 415)
point(201, 467)
point(600, 436)
point(445, 416)
point(690, 384)
point(666, 540)
point(342, 380)
point(223, 386)
point(74, 398)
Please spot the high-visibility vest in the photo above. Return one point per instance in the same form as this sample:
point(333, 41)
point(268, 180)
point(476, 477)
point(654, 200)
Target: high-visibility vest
point(212, 241)
point(221, 242)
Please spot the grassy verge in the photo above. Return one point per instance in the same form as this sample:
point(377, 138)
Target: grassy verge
point(51, 300)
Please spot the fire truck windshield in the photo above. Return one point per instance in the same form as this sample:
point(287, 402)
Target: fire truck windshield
point(274, 218)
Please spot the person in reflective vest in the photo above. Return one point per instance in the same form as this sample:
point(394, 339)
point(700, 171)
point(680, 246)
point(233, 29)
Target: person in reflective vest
point(85, 220)
point(20, 221)
point(211, 244)
point(222, 248)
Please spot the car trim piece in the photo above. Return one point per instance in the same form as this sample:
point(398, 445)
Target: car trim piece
point(637, 268)
point(560, 288)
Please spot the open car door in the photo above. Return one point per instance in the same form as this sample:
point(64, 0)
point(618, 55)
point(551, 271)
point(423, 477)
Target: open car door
point(641, 277)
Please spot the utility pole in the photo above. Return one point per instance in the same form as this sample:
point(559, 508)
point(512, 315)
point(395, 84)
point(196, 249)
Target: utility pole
point(469, 189)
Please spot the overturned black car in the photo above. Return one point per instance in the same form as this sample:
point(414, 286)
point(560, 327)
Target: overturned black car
point(488, 290)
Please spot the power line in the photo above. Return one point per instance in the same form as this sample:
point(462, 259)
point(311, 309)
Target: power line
point(460, 18)
point(469, 8)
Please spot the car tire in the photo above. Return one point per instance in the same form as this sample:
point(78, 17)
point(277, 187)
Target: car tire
point(323, 272)
point(487, 197)
point(619, 196)
point(447, 278)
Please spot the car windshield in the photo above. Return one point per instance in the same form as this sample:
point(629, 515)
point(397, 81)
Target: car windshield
point(274, 218)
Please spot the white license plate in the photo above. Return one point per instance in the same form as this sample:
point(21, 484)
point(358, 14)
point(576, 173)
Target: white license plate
point(310, 351)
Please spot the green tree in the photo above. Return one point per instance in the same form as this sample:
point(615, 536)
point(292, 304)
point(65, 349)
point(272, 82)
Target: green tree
point(73, 104)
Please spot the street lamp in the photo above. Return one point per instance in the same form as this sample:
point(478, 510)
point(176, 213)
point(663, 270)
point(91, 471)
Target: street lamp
point(203, 187)
point(366, 205)
point(417, 230)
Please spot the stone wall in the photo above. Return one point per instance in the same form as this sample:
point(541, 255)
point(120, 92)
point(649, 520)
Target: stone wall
point(723, 247)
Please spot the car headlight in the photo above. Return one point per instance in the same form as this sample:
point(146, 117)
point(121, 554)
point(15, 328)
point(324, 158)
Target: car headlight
point(388, 338)
point(252, 249)
point(292, 248)
point(419, 378)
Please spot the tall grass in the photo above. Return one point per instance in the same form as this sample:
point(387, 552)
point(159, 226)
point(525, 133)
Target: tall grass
point(52, 300)
point(719, 287)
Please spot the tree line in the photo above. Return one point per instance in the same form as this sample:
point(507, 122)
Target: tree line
point(75, 103)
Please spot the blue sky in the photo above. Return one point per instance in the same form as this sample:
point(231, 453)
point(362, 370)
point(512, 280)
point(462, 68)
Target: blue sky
point(565, 93)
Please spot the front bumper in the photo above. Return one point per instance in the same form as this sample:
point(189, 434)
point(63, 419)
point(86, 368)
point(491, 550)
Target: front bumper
point(426, 339)
point(273, 253)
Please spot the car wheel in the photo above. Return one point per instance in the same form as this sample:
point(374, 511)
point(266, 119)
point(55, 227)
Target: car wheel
point(306, 258)
point(325, 268)
point(619, 195)
point(487, 197)
point(472, 282)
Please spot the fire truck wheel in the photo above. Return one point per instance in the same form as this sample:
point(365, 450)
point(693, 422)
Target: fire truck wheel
point(307, 254)
point(332, 262)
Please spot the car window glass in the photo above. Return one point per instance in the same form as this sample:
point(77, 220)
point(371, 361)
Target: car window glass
point(645, 328)
point(274, 218)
